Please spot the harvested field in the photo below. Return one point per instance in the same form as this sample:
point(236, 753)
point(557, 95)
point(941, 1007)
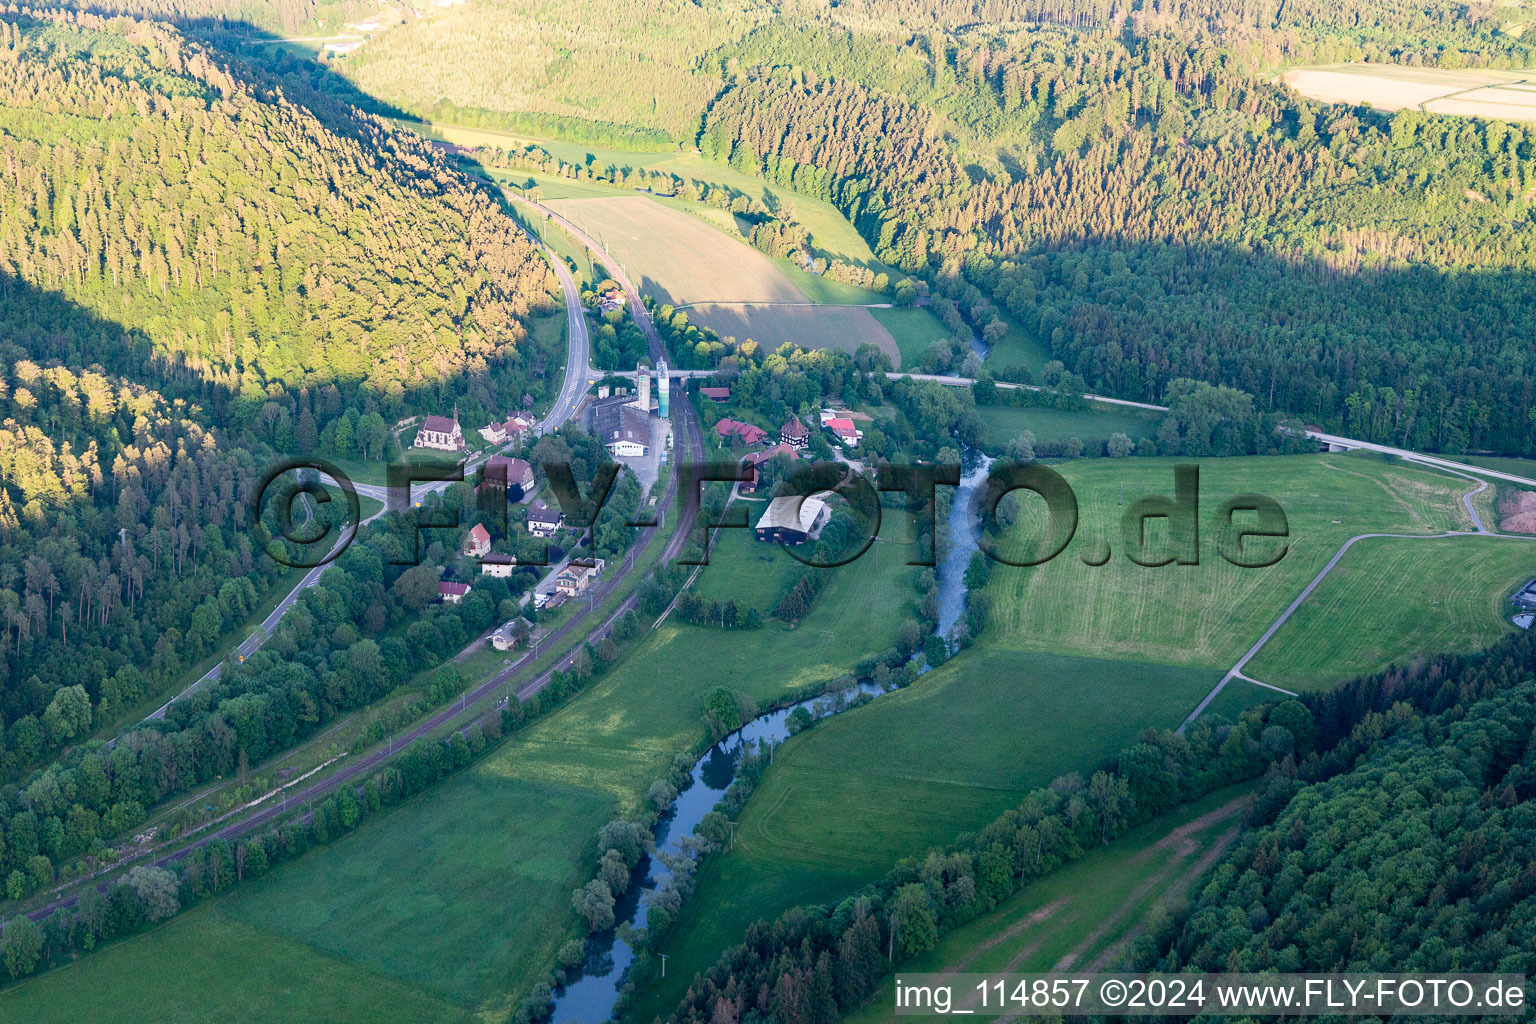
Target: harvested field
point(845, 327)
point(1501, 95)
point(728, 285)
point(1517, 512)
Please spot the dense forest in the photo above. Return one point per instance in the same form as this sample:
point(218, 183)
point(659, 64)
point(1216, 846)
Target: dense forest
point(254, 242)
point(1131, 185)
point(203, 272)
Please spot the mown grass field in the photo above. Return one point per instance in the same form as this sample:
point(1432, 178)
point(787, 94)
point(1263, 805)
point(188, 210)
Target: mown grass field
point(1202, 615)
point(913, 770)
point(1002, 423)
point(1079, 917)
point(456, 902)
point(1394, 600)
point(210, 965)
point(1507, 95)
point(743, 569)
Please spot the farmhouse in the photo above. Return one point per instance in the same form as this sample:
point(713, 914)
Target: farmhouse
point(846, 432)
point(451, 593)
point(791, 519)
point(506, 430)
point(440, 434)
point(543, 520)
point(749, 434)
point(795, 434)
point(499, 566)
point(477, 543)
point(716, 394)
point(754, 460)
point(624, 429)
point(518, 474)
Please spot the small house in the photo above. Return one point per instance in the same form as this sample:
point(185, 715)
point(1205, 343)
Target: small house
point(543, 520)
point(477, 543)
point(518, 473)
point(451, 593)
point(749, 434)
point(499, 566)
point(716, 394)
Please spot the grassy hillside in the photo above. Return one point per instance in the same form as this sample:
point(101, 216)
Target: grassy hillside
point(1394, 601)
point(208, 963)
point(1079, 917)
point(1202, 615)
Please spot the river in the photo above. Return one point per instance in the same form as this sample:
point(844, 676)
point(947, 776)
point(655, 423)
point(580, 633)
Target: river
point(590, 995)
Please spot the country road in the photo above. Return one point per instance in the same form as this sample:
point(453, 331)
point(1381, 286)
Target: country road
point(574, 386)
point(691, 442)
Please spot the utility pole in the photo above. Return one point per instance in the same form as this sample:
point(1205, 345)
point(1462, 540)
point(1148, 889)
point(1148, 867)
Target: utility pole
point(663, 964)
point(733, 834)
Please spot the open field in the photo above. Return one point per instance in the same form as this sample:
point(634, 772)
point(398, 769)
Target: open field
point(1002, 423)
point(681, 259)
point(1202, 615)
point(1079, 917)
point(460, 898)
point(1393, 600)
point(1017, 348)
point(844, 327)
point(207, 965)
point(913, 770)
point(741, 568)
point(1504, 95)
point(831, 233)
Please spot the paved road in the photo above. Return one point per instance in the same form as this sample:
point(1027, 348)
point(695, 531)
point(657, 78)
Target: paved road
point(354, 772)
point(578, 354)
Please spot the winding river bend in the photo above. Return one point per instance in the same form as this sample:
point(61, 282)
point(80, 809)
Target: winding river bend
point(589, 996)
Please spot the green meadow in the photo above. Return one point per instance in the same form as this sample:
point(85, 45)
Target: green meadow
point(1394, 600)
point(1002, 423)
point(912, 770)
point(1203, 615)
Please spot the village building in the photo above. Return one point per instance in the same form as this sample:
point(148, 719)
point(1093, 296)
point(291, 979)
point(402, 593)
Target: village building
point(575, 579)
point(726, 429)
point(513, 426)
point(543, 520)
point(440, 434)
point(791, 519)
point(846, 432)
point(477, 543)
point(610, 300)
point(518, 473)
point(795, 434)
point(716, 394)
point(754, 460)
point(624, 428)
point(499, 566)
point(505, 638)
point(451, 593)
